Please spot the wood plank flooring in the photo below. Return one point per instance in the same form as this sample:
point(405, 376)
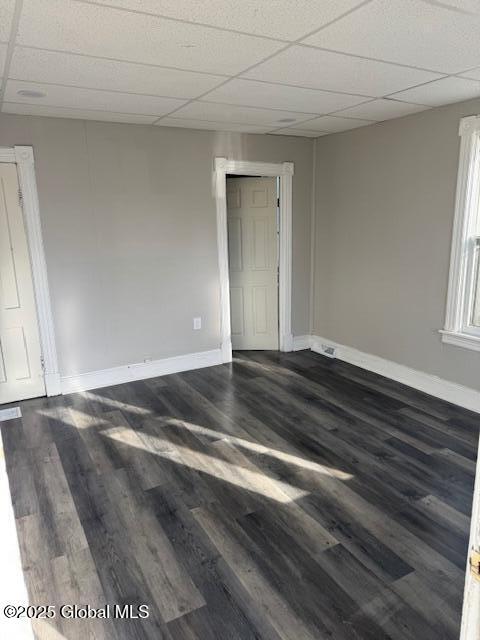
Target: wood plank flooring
point(282, 497)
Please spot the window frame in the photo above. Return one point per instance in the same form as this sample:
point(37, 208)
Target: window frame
point(458, 329)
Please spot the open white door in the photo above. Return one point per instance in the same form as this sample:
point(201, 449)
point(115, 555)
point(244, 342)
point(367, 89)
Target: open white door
point(471, 601)
point(21, 371)
point(253, 262)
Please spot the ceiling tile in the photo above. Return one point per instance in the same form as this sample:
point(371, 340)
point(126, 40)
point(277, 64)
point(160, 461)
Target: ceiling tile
point(332, 124)
point(279, 19)
point(382, 110)
point(97, 73)
point(233, 113)
point(73, 97)
point(80, 114)
point(308, 67)
point(112, 33)
point(442, 91)
point(407, 32)
point(469, 6)
point(302, 133)
point(185, 123)
point(261, 94)
point(473, 74)
point(7, 8)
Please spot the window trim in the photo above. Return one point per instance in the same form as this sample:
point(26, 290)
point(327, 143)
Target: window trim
point(457, 329)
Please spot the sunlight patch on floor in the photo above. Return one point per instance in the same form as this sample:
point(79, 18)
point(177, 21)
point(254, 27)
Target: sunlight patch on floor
point(256, 447)
point(116, 404)
point(75, 418)
point(217, 468)
point(81, 420)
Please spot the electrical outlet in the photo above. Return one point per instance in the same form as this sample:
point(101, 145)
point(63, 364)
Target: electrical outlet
point(328, 351)
point(197, 324)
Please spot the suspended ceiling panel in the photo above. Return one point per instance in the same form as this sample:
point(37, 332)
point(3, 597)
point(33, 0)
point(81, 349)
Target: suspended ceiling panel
point(305, 68)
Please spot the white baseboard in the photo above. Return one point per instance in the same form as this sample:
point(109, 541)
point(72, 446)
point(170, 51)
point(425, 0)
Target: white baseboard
point(301, 342)
point(426, 382)
point(140, 371)
point(53, 384)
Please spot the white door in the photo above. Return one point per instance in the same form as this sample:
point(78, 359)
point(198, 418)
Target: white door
point(471, 600)
point(21, 374)
point(253, 262)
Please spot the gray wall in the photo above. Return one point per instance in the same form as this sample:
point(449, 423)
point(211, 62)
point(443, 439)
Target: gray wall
point(129, 226)
point(128, 218)
point(384, 214)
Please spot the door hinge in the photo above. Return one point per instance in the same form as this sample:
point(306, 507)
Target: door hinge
point(474, 562)
point(20, 198)
point(42, 363)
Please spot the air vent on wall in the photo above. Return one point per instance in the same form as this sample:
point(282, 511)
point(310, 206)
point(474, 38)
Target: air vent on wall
point(328, 351)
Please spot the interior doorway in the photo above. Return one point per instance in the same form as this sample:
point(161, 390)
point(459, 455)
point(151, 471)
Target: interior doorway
point(253, 248)
point(283, 172)
point(21, 371)
point(28, 357)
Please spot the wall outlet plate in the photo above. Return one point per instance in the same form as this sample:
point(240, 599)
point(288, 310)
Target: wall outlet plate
point(197, 324)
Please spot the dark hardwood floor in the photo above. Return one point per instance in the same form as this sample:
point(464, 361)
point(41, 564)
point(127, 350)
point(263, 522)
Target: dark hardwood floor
point(285, 496)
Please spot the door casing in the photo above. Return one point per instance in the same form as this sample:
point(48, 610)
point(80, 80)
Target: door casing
point(471, 598)
point(284, 171)
point(23, 157)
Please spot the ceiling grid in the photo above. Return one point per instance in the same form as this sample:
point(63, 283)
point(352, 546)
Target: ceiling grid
point(282, 67)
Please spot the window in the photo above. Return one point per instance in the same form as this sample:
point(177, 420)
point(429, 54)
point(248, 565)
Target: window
point(462, 323)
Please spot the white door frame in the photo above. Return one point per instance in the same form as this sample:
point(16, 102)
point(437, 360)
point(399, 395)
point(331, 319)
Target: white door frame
point(24, 159)
point(284, 171)
point(471, 598)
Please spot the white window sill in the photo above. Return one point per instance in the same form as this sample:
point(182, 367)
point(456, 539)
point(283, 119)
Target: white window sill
point(464, 340)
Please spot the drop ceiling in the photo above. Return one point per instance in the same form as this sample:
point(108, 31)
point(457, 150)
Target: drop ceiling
point(286, 67)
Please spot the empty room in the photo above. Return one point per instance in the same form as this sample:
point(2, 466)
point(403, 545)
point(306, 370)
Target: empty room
point(239, 319)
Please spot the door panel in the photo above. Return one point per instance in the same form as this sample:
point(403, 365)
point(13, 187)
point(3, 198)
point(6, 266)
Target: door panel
point(236, 313)
point(3, 370)
point(21, 374)
point(253, 260)
point(259, 197)
point(233, 197)
point(8, 274)
point(261, 230)
point(260, 314)
point(235, 243)
point(16, 356)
